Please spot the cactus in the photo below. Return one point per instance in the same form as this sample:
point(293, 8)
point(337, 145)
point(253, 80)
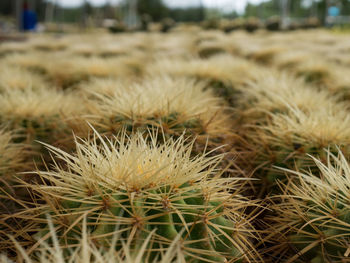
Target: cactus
point(68, 73)
point(48, 44)
point(274, 92)
point(290, 60)
point(167, 24)
point(38, 115)
point(10, 153)
point(311, 219)
point(19, 78)
point(273, 23)
point(106, 87)
point(231, 25)
point(252, 24)
point(311, 23)
point(12, 160)
point(317, 73)
point(266, 56)
point(118, 27)
point(284, 119)
point(132, 186)
point(212, 23)
point(209, 49)
point(287, 138)
point(32, 115)
point(174, 105)
point(34, 62)
point(222, 73)
point(86, 251)
point(10, 47)
point(113, 50)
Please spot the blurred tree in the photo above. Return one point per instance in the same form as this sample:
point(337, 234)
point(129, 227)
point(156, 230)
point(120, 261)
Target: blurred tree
point(6, 7)
point(322, 7)
point(154, 8)
point(345, 7)
point(298, 8)
point(250, 10)
point(157, 10)
point(72, 15)
point(213, 13)
point(231, 15)
point(108, 10)
point(269, 8)
point(87, 11)
point(88, 8)
point(40, 8)
point(192, 14)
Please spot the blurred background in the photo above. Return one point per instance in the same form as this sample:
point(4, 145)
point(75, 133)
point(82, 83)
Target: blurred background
point(135, 15)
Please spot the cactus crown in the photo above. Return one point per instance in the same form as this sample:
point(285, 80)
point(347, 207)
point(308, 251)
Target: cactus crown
point(133, 163)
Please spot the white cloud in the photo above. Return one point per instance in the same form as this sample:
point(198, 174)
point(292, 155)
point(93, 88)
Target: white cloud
point(226, 5)
point(68, 3)
point(74, 3)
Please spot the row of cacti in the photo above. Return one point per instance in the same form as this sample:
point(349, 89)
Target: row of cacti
point(137, 187)
point(252, 24)
point(288, 121)
point(146, 198)
point(154, 178)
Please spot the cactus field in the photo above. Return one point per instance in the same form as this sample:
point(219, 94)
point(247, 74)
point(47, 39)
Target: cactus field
point(187, 146)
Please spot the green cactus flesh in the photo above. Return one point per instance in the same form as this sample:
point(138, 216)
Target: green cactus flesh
point(172, 124)
point(322, 232)
point(43, 128)
point(295, 156)
point(208, 237)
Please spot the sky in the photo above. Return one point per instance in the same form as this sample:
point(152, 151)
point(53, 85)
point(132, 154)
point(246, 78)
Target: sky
point(227, 5)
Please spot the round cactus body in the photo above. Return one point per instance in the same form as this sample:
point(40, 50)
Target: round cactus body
point(311, 220)
point(134, 186)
